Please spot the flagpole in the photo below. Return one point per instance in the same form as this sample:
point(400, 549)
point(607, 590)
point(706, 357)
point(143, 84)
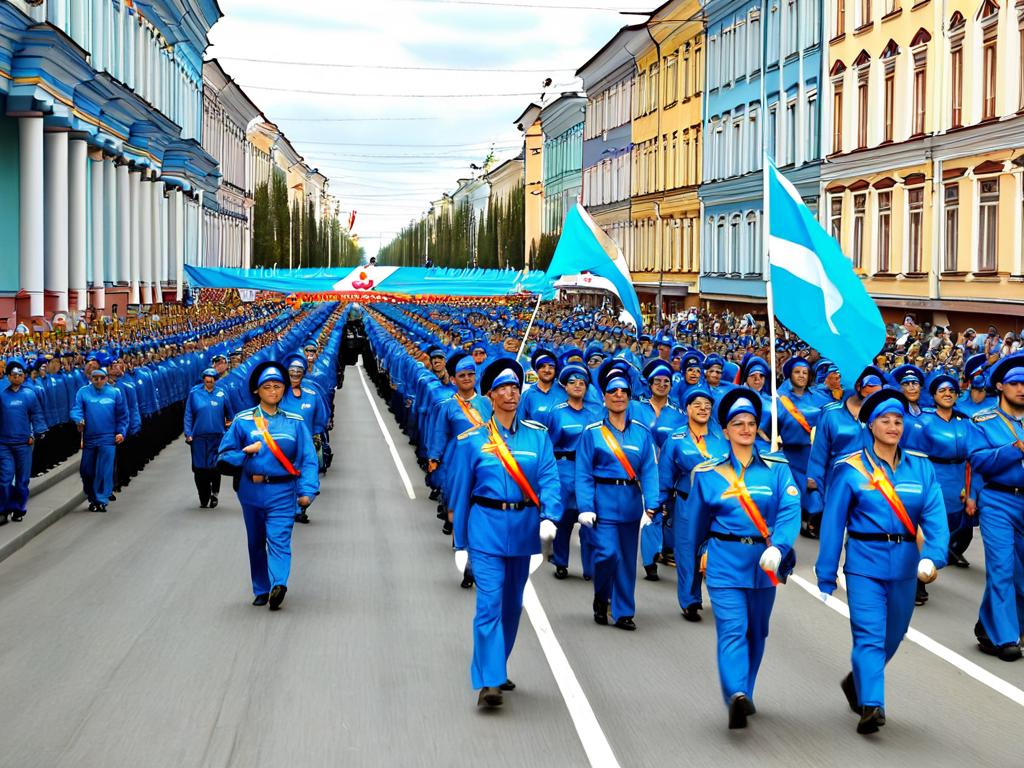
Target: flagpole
point(526, 335)
point(766, 210)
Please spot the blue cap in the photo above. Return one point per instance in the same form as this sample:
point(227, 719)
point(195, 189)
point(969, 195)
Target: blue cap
point(694, 392)
point(209, 372)
point(655, 368)
point(98, 372)
point(573, 371)
point(791, 363)
point(295, 361)
point(885, 400)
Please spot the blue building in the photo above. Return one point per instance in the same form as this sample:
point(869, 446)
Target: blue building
point(732, 268)
point(101, 168)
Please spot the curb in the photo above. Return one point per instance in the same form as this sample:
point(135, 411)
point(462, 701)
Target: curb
point(41, 521)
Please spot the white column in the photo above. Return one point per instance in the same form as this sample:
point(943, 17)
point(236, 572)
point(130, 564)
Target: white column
point(30, 247)
point(145, 255)
point(55, 267)
point(134, 218)
point(109, 222)
point(78, 159)
point(159, 241)
point(174, 238)
point(124, 225)
point(99, 241)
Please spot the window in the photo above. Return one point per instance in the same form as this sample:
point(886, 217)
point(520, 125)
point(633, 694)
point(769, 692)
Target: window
point(712, 62)
point(727, 39)
point(721, 254)
point(811, 139)
point(671, 80)
point(957, 84)
point(739, 68)
point(686, 75)
point(754, 145)
point(837, 116)
point(737, 148)
point(753, 244)
point(773, 32)
point(989, 18)
point(891, 6)
point(754, 42)
point(840, 18)
point(859, 202)
point(915, 229)
point(811, 23)
point(835, 217)
point(884, 231)
point(988, 224)
point(789, 151)
point(792, 26)
point(951, 196)
point(920, 92)
point(698, 70)
point(735, 253)
point(863, 13)
point(773, 113)
point(1020, 66)
point(890, 96)
point(652, 89)
point(862, 111)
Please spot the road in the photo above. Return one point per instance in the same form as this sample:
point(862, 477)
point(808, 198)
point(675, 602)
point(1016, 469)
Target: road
point(128, 640)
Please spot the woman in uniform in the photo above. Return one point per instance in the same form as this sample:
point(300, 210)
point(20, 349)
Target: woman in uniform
point(505, 497)
point(881, 497)
point(206, 417)
point(745, 509)
point(272, 452)
point(799, 408)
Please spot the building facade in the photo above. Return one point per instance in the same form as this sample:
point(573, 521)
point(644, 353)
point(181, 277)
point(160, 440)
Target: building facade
point(533, 175)
point(924, 182)
point(562, 123)
point(747, 53)
point(667, 136)
point(102, 171)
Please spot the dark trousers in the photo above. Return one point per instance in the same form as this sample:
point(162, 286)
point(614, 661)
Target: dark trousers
point(207, 483)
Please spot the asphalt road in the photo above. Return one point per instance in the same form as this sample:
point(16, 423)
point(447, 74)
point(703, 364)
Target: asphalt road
point(127, 639)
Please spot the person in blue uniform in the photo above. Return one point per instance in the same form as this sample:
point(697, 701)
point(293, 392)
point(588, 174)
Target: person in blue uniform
point(506, 498)
point(617, 493)
point(996, 450)
point(798, 412)
point(945, 432)
point(478, 351)
point(307, 401)
point(911, 382)
point(102, 418)
point(714, 366)
point(206, 419)
point(272, 452)
point(742, 516)
point(662, 417)
point(828, 381)
point(880, 497)
point(545, 394)
point(565, 423)
point(22, 422)
point(690, 366)
point(839, 432)
point(976, 398)
point(697, 441)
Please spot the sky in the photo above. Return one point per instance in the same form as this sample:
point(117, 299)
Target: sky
point(432, 112)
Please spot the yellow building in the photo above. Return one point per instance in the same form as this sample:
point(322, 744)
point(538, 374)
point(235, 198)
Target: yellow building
point(666, 158)
point(923, 184)
point(533, 172)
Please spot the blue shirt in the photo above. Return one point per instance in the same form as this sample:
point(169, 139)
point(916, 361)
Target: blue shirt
point(947, 447)
point(535, 401)
point(206, 412)
point(680, 455)
point(565, 427)
point(21, 416)
point(104, 413)
point(993, 454)
point(594, 458)
point(661, 424)
point(309, 404)
point(838, 433)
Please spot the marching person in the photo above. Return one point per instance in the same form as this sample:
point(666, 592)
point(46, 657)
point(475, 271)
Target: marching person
point(505, 497)
point(798, 416)
point(882, 497)
point(617, 493)
point(565, 423)
point(308, 402)
point(997, 456)
point(272, 450)
point(694, 443)
point(206, 419)
point(745, 509)
point(102, 417)
point(22, 422)
point(544, 394)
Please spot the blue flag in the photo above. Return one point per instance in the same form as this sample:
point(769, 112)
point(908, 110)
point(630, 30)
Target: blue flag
point(584, 247)
point(816, 293)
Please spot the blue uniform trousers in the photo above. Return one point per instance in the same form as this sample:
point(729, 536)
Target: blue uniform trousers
point(880, 612)
point(500, 582)
point(798, 456)
point(614, 564)
point(560, 547)
point(652, 539)
point(15, 472)
point(1002, 533)
point(741, 623)
point(268, 525)
point(688, 576)
point(97, 471)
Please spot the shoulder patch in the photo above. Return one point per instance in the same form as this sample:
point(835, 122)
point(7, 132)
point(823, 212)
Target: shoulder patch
point(595, 425)
point(561, 405)
point(983, 416)
point(910, 452)
point(247, 414)
point(469, 432)
point(533, 424)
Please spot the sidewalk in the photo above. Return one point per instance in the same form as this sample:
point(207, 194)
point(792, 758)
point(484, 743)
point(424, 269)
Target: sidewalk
point(51, 496)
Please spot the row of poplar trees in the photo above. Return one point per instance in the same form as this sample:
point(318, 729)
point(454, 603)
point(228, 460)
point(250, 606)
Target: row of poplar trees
point(495, 239)
point(279, 230)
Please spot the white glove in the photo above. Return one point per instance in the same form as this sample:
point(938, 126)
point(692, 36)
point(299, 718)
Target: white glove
point(824, 596)
point(535, 562)
point(645, 520)
point(588, 519)
point(926, 571)
point(548, 530)
point(461, 560)
point(771, 558)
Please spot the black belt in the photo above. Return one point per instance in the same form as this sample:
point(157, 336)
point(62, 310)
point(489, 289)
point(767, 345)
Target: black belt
point(271, 479)
point(894, 538)
point(614, 481)
point(1004, 488)
point(934, 460)
point(568, 455)
point(675, 493)
point(495, 504)
point(740, 539)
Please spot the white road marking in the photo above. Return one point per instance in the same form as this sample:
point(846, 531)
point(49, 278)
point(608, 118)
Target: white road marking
point(968, 667)
point(387, 436)
point(595, 743)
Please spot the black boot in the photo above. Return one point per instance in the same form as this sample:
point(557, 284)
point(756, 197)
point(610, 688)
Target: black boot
point(652, 572)
point(922, 594)
point(601, 611)
point(850, 691)
point(871, 719)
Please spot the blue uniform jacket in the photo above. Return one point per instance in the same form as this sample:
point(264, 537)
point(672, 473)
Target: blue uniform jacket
point(475, 470)
point(838, 433)
point(536, 402)
point(21, 416)
point(206, 412)
point(853, 504)
point(595, 459)
point(993, 453)
point(309, 404)
point(290, 434)
point(661, 425)
point(680, 455)
point(565, 427)
point(710, 508)
point(969, 408)
point(946, 443)
point(104, 413)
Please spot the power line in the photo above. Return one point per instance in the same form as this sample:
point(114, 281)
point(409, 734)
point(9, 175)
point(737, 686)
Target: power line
point(492, 4)
point(408, 68)
point(393, 95)
point(482, 144)
point(353, 119)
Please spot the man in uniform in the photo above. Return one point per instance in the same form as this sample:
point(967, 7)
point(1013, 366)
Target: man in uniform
point(102, 418)
point(206, 420)
point(21, 422)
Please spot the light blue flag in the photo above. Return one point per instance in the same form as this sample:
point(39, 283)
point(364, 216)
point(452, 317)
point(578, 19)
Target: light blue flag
point(584, 247)
point(816, 293)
